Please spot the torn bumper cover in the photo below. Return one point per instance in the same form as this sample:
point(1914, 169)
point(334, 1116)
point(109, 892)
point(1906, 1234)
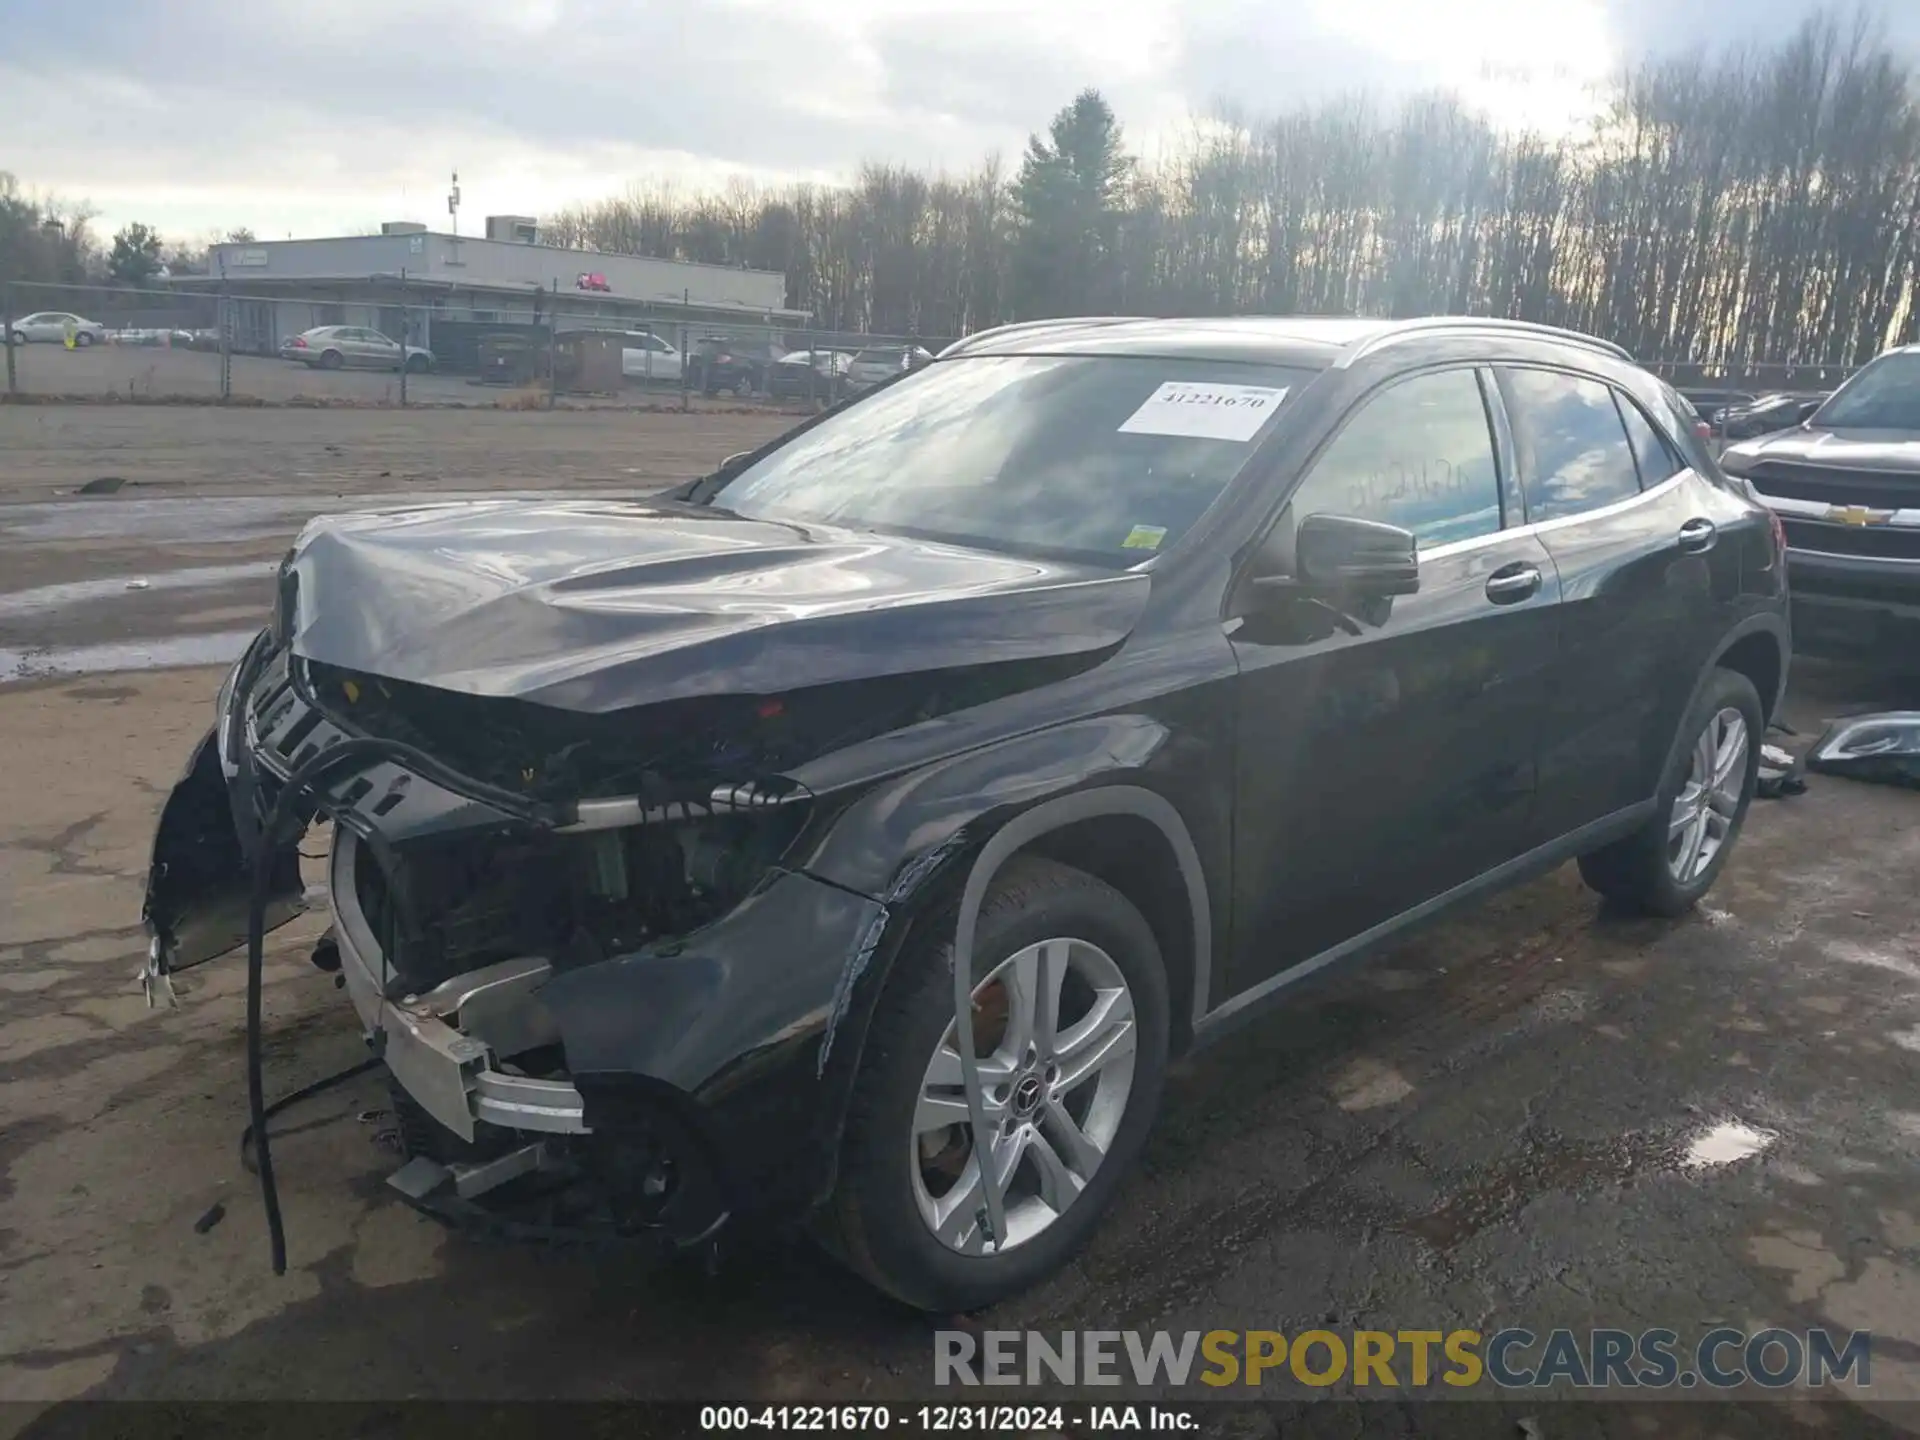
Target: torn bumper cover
point(558, 1050)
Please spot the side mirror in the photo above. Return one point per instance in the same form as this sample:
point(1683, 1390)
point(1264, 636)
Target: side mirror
point(1350, 556)
point(1803, 412)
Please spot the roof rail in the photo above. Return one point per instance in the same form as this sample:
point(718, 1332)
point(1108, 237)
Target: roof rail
point(1410, 329)
point(1063, 322)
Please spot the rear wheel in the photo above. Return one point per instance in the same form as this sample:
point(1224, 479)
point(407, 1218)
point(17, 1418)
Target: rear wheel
point(331, 360)
point(1666, 866)
point(1070, 1040)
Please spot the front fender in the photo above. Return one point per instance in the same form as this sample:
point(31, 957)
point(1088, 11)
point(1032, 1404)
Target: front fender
point(926, 846)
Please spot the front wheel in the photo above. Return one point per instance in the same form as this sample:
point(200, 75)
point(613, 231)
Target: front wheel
point(1666, 866)
point(19, 337)
point(83, 339)
point(417, 365)
point(1070, 1039)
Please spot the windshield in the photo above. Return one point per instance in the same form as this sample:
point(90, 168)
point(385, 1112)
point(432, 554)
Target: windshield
point(1108, 457)
point(1884, 396)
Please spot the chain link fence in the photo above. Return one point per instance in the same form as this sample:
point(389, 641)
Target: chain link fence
point(388, 343)
point(214, 341)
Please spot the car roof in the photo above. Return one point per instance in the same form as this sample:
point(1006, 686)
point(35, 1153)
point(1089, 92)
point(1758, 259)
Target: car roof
point(1313, 341)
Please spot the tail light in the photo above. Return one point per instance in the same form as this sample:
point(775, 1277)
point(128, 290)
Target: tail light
point(1703, 430)
point(299, 342)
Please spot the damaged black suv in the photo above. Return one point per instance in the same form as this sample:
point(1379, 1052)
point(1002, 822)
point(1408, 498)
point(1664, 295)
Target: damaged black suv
point(852, 836)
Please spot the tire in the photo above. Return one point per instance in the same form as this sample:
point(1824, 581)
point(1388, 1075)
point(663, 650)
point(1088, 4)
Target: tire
point(741, 387)
point(82, 340)
point(19, 337)
point(1650, 870)
point(875, 1219)
point(417, 365)
point(331, 360)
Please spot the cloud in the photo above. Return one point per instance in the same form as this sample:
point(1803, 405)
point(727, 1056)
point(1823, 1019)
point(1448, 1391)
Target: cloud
point(285, 115)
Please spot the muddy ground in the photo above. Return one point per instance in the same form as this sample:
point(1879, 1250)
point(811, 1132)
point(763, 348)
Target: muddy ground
point(1495, 1125)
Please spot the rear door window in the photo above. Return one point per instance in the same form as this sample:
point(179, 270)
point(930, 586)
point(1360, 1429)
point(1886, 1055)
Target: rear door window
point(1574, 452)
point(1418, 454)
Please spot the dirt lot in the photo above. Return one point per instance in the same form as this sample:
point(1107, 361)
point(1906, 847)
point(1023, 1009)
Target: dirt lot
point(145, 373)
point(1492, 1126)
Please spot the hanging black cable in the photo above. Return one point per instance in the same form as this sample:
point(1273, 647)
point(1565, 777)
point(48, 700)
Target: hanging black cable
point(298, 782)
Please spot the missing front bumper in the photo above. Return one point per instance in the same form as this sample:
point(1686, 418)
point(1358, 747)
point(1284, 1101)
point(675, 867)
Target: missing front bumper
point(445, 1046)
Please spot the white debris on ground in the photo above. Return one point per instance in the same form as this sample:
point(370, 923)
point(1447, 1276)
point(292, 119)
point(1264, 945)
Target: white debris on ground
point(1725, 1143)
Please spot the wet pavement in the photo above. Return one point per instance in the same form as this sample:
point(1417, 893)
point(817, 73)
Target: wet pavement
point(1538, 1114)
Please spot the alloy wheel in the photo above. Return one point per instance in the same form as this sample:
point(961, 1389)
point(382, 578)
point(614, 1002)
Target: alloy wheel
point(1703, 811)
point(1054, 1037)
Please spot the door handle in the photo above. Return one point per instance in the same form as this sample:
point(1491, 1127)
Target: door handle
point(1697, 537)
point(1513, 582)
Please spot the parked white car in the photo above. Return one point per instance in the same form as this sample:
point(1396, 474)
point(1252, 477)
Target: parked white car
point(878, 364)
point(52, 325)
point(648, 357)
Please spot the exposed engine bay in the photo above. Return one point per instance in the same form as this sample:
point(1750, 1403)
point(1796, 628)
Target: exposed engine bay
point(458, 904)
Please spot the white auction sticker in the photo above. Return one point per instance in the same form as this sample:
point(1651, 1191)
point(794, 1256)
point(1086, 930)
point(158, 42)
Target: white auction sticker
point(1205, 411)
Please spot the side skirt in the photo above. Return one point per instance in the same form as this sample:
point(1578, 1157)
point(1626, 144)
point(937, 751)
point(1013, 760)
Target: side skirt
point(1231, 1014)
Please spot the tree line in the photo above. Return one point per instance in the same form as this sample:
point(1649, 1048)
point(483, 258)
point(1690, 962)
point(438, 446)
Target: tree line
point(1755, 206)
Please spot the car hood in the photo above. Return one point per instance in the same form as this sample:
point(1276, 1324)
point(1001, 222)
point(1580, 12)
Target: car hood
point(1892, 450)
point(595, 606)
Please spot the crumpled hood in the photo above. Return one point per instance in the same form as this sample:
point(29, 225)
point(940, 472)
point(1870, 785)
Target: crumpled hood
point(595, 605)
point(1894, 450)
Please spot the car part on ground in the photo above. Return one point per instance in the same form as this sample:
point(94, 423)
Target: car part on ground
point(711, 859)
point(1780, 774)
point(1883, 748)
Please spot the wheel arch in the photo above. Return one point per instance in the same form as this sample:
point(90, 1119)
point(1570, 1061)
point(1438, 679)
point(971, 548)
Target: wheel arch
point(954, 876)
point(1758, 648)
point(1098, 830)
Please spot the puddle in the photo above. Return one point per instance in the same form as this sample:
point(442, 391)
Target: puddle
point(175, 652)
point(1725, 1143)
point(113, 587)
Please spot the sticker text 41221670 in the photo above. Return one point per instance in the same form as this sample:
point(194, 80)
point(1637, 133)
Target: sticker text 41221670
point(1202, 410)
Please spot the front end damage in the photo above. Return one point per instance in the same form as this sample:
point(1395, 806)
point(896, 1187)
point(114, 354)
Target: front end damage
point(573, 967)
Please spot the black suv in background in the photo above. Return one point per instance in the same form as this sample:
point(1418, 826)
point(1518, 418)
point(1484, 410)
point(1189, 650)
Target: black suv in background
point(718, 364)
point(856, 834)
point(1845, 483)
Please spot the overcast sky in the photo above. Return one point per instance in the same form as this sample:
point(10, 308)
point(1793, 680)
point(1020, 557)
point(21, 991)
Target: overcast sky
point(317, 116)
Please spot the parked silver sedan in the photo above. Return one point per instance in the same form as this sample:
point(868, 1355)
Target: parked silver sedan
point(336, 347)
point(53, 325)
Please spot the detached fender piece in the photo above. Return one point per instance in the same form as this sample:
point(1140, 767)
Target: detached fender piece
point(197, 879)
